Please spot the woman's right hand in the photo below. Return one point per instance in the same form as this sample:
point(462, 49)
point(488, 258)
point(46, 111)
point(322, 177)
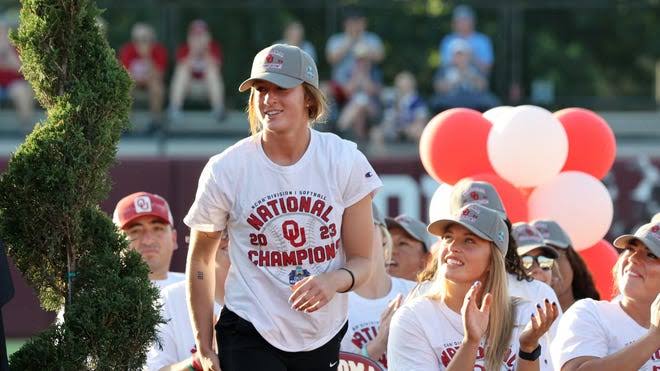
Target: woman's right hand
point(475, 319)
point(209, 360)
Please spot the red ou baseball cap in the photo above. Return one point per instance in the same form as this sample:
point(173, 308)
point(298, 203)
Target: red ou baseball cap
point(141, 204)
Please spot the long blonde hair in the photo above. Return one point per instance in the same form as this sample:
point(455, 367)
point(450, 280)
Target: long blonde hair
point(316, 103)
point(502, 311)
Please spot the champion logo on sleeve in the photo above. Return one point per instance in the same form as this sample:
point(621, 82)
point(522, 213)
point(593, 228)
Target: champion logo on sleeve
point(369, 174)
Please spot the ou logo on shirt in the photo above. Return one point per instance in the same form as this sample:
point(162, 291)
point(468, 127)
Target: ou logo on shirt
point(293, 233)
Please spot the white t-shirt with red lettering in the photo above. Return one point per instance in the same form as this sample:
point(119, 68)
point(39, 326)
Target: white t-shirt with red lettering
point(533, 291)
point(425, 335)
point(364, 317)
point(284, 224)
point(591, 328)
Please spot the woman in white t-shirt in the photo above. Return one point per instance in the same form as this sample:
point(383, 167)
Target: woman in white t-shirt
point(296, 203)
point(520, 285)
point(468, 320)
point(372, 305)
point(624, 333)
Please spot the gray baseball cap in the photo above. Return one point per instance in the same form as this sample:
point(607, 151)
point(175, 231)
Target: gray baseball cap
point(648, 234)
point(414, 228)
point(377, 215)
point(480, 220)
point(552, 233)
point(284, 65)
point(529, 238)
point(469, 191)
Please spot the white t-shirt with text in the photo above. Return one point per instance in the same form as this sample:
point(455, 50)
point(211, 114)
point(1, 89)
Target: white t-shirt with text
point(591, 328)
point(425, 335)
point(176, 334)
point(533, 291)
point(364, 317)
point(284, 223)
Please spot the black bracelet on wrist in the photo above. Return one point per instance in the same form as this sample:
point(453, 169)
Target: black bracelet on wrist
point(533, 356)
point(352, 280)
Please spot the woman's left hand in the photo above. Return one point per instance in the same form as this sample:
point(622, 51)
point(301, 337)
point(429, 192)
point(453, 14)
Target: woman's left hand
point(538, 326)
point(313, 292)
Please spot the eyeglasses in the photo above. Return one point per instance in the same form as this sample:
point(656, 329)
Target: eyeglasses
point(543, 262)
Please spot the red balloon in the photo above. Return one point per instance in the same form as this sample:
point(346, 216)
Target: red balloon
point(600, 259)
point(591, 142)
point(514, 201)
point(453, 145)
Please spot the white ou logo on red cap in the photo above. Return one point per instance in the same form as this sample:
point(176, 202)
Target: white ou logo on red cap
point(142, 204)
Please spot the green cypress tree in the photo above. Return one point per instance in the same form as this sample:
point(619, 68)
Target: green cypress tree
point(66, 247)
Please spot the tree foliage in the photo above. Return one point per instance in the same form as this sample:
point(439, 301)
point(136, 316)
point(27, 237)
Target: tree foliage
point(66, 248)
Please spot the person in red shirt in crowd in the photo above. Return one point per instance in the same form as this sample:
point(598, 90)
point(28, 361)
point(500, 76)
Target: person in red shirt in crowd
point(12, 84)
point(198, 72)
point(146, 62)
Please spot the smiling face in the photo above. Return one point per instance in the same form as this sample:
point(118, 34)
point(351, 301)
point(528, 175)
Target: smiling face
point(279, 109)
point(155, 240)
point(465, 257)
point(640, 278)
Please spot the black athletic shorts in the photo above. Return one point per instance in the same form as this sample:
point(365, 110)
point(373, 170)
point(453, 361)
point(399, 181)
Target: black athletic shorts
point(243, 349)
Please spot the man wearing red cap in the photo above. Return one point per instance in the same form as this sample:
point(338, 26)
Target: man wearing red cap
point(147, 221)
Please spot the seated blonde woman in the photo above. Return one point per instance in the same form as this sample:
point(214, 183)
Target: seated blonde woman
point(467, 320)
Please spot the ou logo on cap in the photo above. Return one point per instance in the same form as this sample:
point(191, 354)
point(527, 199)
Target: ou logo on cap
point(142, 204)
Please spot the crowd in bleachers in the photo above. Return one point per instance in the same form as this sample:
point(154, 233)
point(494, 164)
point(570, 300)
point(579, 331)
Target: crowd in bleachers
point(365, 106)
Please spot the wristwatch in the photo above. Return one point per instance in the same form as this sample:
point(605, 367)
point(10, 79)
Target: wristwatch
point(533, 356)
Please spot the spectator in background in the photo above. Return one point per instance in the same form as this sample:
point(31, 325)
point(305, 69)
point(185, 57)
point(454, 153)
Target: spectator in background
point(198, 72)
point(461, 84)
point(12, 84)
point(463, 27)
point(294, 34)
point(146, 62)
point(406, 113)
point(362, 91)
point(372, 305)
point(340, 51)
point(538, 259)
point(147, 221)
point(575, 281)
point(411, 246)
point(623, 333)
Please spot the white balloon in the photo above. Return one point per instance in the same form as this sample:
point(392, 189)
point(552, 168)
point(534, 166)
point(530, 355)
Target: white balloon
point(497, 113)
point(439, 205)
point(579, 202)
point(528, 146)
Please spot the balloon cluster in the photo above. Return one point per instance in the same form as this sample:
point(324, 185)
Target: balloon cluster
point(544, 165)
